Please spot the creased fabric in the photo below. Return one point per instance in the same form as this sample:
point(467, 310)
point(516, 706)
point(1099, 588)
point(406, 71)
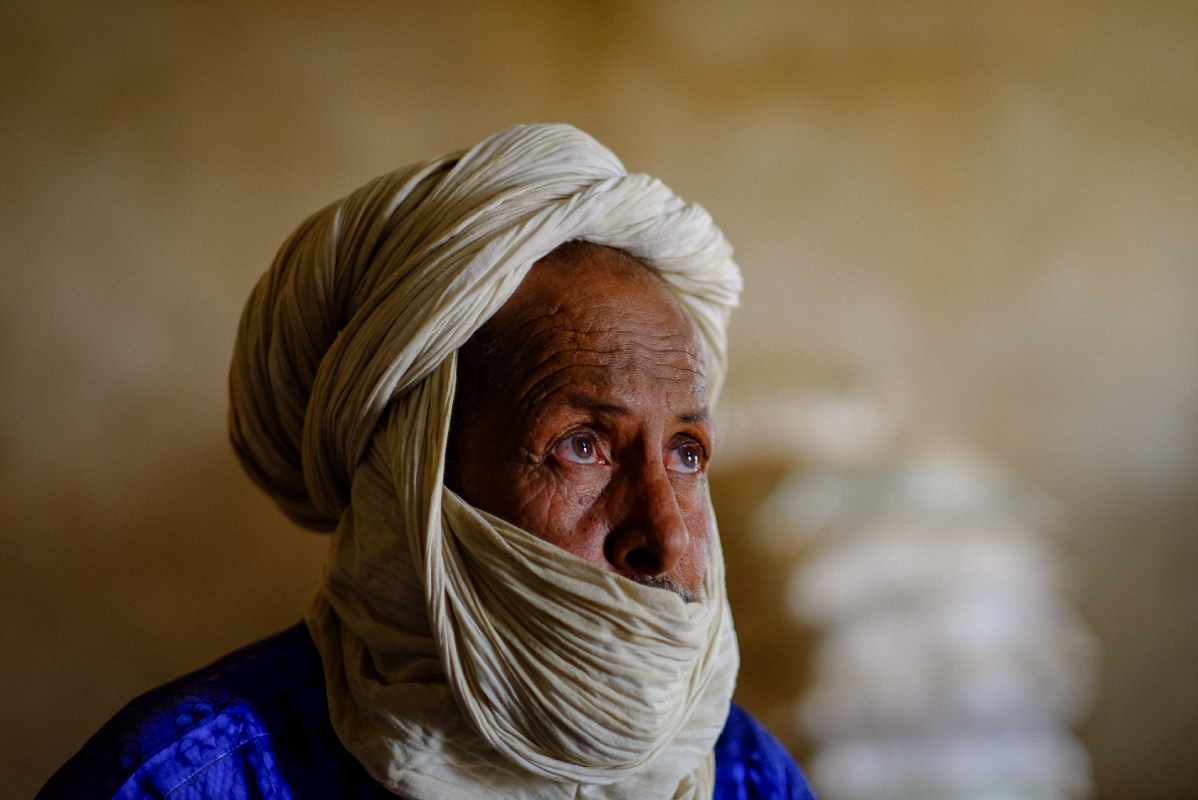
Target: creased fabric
point(463, 656)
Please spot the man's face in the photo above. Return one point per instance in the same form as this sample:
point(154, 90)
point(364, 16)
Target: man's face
point(582, 418)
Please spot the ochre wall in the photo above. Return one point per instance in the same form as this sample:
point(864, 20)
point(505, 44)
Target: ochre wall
point(985, 215)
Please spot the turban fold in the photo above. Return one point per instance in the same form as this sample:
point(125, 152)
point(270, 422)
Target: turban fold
point(463, 656)
point(372, 293)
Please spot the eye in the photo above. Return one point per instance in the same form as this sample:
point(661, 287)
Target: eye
point(687, 459)
point(580, 448)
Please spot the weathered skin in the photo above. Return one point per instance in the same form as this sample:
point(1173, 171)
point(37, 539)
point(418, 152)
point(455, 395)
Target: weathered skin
point(582, 417)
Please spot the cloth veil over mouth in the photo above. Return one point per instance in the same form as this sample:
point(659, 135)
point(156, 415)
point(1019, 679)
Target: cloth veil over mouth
point(463, 656)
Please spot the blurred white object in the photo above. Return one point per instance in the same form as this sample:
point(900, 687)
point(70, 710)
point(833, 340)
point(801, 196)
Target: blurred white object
point(1026, 766)
point(951, 664)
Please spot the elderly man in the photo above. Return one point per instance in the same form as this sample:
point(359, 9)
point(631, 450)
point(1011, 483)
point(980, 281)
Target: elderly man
point(491, 376)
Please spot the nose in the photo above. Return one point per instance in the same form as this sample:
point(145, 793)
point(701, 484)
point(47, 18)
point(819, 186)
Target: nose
point(652, 537)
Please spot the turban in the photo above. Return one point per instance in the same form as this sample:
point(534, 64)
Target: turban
point(464, 656)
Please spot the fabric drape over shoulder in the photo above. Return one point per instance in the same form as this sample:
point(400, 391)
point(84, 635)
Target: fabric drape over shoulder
point(465, 657)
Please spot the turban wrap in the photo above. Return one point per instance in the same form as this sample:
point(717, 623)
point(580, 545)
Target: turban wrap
point(463, 656)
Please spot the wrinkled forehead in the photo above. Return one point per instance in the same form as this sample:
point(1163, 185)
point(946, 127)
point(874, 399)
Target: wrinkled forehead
point(609, 341)
point(588, 313)
point(605, 335)
point(591, 296)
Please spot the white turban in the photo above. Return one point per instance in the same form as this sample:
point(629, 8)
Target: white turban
point(463, 656)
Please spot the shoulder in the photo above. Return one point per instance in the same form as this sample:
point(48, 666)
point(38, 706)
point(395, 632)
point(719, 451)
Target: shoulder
point(209, 734)
point(256, 722)
point(750, 764)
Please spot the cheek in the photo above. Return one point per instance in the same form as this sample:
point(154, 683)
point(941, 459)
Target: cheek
point(694, 504)
point(697, 514)
point(561, 513)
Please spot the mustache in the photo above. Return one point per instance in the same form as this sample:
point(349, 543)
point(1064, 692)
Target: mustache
point(669, 584)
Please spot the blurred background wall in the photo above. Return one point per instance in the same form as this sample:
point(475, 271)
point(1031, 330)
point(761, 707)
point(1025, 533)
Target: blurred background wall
point(983, 216)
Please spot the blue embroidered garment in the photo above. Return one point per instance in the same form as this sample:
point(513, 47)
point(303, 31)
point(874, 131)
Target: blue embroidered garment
point(256, 725)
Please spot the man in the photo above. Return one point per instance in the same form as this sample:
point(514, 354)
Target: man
point(491, 376)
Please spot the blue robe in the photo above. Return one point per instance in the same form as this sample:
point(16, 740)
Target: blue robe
point(256, 725)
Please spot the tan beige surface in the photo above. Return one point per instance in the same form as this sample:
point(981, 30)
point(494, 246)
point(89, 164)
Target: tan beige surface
point(984, 214)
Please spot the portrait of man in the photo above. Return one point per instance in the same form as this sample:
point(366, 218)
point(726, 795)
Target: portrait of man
point(501, 473)
point(490, 377)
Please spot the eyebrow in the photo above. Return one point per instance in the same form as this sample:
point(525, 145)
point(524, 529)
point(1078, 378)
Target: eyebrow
point(617, 410)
